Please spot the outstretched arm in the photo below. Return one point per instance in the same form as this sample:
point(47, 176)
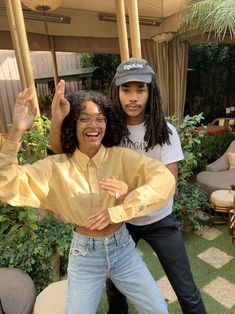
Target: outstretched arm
point(59, 110)
point(23, 115)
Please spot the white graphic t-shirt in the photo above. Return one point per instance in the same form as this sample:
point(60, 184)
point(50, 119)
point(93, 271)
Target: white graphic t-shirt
point(166, 154)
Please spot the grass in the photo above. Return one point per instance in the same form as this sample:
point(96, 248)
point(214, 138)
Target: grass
point(203, 272)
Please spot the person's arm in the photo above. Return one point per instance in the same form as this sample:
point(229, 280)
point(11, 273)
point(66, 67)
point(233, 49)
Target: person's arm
point(59, 110)
point(21, 185)
point(173, 167)
point(152, 185)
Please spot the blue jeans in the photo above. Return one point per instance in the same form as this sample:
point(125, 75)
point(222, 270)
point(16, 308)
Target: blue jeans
point(165, 239)
point(93, 260)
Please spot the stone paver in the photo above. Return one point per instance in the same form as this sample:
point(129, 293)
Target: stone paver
point(215, 257)
point(222, 291)
point(208, 233)
point(166, 290)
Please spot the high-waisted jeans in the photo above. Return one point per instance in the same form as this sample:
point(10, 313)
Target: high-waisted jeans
point(93, 260)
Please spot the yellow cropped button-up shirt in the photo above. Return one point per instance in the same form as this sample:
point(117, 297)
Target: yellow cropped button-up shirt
point(69, 186)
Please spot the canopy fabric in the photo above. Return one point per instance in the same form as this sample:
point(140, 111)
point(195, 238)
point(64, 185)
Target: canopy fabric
point(87, 33)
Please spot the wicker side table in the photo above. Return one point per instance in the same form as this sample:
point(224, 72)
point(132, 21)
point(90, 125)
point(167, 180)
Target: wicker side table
point(222, 202)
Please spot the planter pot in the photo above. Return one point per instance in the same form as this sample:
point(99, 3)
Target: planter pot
point(186, 227)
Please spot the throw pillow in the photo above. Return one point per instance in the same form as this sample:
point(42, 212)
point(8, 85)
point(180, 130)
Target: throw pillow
point(231, 159)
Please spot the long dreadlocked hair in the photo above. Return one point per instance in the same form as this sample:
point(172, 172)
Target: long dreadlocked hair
point(77, 102)
point(157, 130)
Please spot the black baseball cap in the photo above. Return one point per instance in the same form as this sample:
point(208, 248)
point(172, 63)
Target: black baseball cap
point(133, 70)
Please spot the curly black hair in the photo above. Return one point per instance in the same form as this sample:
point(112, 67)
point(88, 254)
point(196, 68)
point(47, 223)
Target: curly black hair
point(157, 130)
point(77, 101)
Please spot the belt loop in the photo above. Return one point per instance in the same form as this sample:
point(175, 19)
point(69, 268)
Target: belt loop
point(93, 244)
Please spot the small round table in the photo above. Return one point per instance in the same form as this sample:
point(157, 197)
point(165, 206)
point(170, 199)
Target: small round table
point(222, 202)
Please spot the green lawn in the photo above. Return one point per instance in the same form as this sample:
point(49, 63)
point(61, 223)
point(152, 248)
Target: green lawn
point(203, 272)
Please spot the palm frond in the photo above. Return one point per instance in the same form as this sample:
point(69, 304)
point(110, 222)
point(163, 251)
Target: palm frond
point(217, 17)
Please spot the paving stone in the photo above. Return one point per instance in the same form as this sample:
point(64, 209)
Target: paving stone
point(166, 290)
point(215, 257)
point(208, 233)
point(222, 291)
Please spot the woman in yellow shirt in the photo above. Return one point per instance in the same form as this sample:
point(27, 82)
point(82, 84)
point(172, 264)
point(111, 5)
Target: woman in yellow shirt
point(74, 185)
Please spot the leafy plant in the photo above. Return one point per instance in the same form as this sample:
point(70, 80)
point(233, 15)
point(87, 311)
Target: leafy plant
point(32, 251)
point(190, 138)
point(187, 201)
point(35, 142)
point(212, 147)
point(214, 16)
point(189, 197)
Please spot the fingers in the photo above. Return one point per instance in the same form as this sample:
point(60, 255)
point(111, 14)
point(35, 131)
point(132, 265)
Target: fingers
point(24, 96)
point(99, 221)
point(114, 186)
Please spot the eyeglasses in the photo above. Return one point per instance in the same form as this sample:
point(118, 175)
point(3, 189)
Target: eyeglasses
point(88, 120)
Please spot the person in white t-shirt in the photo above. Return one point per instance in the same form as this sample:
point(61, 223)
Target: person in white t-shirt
point(137, 108)
point(137, 105)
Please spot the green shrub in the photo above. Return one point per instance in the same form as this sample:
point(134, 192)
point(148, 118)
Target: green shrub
point(212, 147)
point(32, 251)
point(189, 199)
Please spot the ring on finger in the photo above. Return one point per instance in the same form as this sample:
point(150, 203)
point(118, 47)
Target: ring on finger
point(117, 195)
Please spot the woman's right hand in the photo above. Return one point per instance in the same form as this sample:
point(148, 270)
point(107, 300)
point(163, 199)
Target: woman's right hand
point(60, 106)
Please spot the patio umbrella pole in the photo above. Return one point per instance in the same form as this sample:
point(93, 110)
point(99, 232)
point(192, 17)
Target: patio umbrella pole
point(24, 50)
point(15, 42)
point(134, 28)
point(122, 31)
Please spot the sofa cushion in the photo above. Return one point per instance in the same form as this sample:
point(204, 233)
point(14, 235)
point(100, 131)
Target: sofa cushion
point(231, 159)
point(17, 291)
point(211, 181)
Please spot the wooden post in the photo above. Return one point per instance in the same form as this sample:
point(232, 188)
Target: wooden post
point(134, 28)
point(15, 41)
point(24, 50)
point(55, 67)
point(122, 31)
point(53, 54)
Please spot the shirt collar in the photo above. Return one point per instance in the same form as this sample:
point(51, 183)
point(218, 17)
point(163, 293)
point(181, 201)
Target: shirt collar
point(84, 160)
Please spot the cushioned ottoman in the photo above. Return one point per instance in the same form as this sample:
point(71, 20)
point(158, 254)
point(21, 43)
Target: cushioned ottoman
point(52, 299)
point(222, 201)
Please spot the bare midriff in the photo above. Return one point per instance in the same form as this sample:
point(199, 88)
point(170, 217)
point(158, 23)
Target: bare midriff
point(98, 233)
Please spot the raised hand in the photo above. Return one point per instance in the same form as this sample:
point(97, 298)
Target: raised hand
point(60, 106)
point(114, 187)
point(24, 113)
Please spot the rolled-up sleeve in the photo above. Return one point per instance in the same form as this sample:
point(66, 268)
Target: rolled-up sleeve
point(153, 186)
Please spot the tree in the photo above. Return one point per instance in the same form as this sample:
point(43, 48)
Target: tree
point(217, 17)
point(106, 66)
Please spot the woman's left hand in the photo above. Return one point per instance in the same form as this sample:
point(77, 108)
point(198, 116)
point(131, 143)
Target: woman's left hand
point(114, 187)
point(99, 221)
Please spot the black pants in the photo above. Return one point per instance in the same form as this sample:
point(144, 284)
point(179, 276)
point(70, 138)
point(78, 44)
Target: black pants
point(166, 240)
